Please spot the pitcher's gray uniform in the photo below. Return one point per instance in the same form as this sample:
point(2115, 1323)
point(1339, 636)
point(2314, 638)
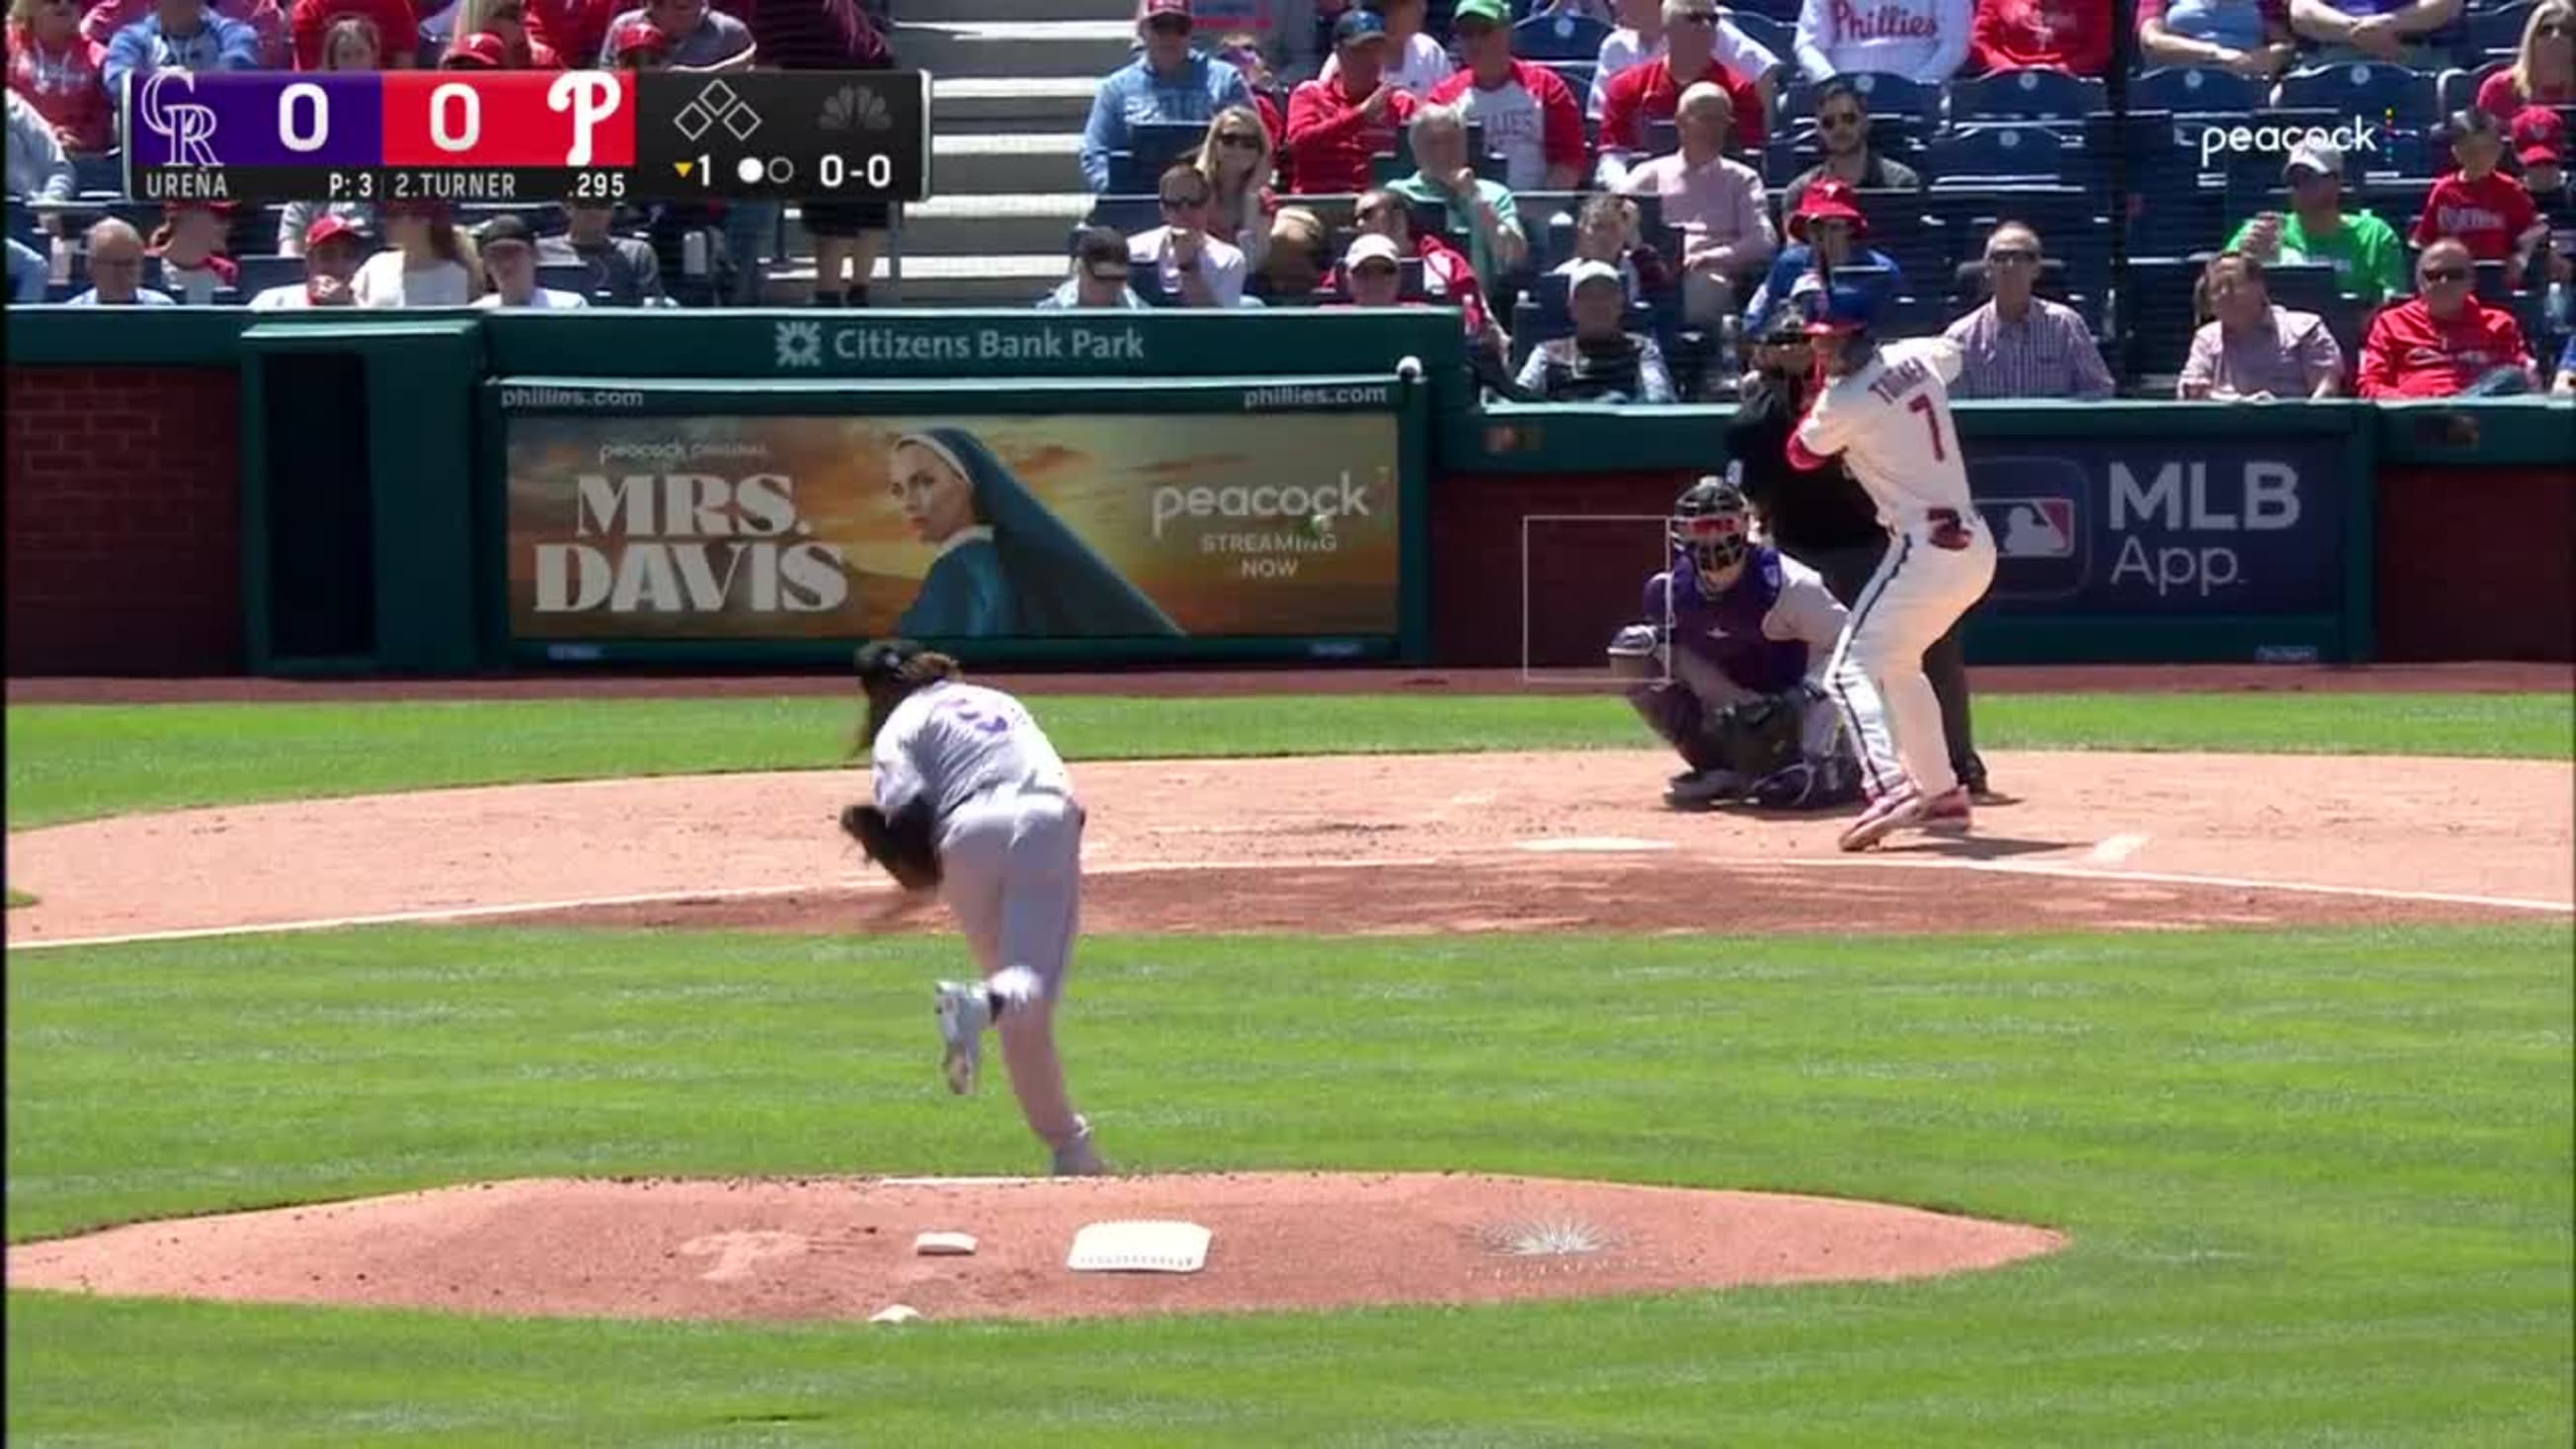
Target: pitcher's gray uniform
point(1009, 832)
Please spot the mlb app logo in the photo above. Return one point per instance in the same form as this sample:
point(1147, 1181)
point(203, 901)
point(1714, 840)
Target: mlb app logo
point(2034, 506)
point(2031, 527)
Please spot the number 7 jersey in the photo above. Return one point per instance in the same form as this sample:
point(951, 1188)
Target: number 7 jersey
point(951, 741)
point(1891, 422)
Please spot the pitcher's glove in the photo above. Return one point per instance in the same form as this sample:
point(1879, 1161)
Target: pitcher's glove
point(900, 844)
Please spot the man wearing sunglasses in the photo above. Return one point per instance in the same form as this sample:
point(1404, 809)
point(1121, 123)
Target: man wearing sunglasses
point(1842, 124)
point(1640, 38)
point(2021, 344)
point(2445, 342)
point(1100, 271)
point(1168, 82)
point(1195, 269)
point(1652, 91)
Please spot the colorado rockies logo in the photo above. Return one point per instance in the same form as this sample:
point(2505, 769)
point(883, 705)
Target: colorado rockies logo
point(189, 127)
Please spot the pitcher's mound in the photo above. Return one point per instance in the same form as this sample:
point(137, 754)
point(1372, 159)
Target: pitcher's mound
point(843, 1248)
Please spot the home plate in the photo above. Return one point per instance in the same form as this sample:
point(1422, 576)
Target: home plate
point(1593, 843)
point(1139, 1247)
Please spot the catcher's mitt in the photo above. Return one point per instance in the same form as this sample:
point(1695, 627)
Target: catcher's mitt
point(1759, 736)
point(901, 844)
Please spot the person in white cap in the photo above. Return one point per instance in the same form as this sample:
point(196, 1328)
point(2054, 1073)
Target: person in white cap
point(1373, 272)
point(1602, 361)
point(2368, 258)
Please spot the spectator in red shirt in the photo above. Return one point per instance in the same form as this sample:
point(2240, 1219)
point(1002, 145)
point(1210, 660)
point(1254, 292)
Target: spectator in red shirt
point(571, 27)
point(2479, 205)
point(2543, 72)
point(1335, 126)
point(2069, 35)
point(190, 241)
point(56, 68)
point(2445, 342)
point(1528, 111)
point(1650, 90)
point(395, 21)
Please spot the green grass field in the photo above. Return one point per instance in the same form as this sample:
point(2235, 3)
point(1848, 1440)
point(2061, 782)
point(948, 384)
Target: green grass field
point(74, 762)
point(2318, 1184)
point(2321, 1186)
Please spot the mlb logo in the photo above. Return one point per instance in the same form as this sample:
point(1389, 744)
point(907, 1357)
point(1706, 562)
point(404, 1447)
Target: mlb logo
point(2031, 527)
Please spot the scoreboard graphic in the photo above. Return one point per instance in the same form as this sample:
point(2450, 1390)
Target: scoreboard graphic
point(527, 136)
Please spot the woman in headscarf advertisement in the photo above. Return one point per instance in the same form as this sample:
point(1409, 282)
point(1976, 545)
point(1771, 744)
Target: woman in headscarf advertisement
point(1006, 566)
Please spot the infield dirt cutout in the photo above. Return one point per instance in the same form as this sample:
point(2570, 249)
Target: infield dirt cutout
point(1367, 844)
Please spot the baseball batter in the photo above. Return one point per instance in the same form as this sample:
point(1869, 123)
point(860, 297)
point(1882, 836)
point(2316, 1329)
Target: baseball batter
point(972, 799)
point(1887, 411)
point(1748, 634)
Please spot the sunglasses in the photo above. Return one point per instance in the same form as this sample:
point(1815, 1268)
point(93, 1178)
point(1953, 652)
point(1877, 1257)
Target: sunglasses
point(1108, 278)
point(2013, 255)
point(1239, 142)
point(1374, 269)
point(1697, 17)
point(2446, 274)
point(1177, 203)
point(1169, 25)
point(1839, 120)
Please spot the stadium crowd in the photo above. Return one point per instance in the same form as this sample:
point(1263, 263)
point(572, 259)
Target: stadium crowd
point(2207, 199)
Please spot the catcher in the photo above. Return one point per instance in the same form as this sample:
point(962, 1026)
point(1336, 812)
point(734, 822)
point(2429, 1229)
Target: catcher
point(1731, 669)
point(972, 801)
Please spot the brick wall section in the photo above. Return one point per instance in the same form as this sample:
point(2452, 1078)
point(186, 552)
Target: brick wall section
point(1584, 579)
point(2473, 564)
point(124, 520)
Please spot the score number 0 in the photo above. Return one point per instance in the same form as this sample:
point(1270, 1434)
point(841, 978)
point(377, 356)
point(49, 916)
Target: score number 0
point(588, 95)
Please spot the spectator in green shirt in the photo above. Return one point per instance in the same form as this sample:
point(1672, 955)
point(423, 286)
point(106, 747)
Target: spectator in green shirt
point(1495, 242)
point(2368, 258)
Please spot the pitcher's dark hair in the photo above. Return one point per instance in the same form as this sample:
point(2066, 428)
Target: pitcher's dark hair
point(889, 671)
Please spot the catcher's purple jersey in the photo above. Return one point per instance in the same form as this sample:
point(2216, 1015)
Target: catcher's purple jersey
point(1726, 632)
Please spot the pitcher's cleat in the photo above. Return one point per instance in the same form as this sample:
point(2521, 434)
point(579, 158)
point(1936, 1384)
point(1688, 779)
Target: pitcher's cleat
point(1080, 1157)
point(964, 1012)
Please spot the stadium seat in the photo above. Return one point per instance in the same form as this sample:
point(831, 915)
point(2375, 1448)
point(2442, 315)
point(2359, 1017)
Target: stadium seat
point(2498, 31)
point(2457, 88)
point(1878, 282)
point(1986, 154)
point(259, 273)
point(1778, 37)
point(2196, 90)
point(2405, 97)
point(101, 175)
point(2491, 286)
point(1558, 37)
point(1577, 76)
point(2156, 316)
point(2306, 287)
point(2025, 95)
point(573, 277)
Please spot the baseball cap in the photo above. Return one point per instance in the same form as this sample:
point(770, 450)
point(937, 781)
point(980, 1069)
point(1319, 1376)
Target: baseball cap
point(639, 35)
point(1589, 271)
point(1372, 248)
point(480, 51)
point(327, 227)
point(1155, 9)
point(1358, 27)
point(1493, 11)
point(1828, 200)
point(883, 658)
point(2539, 136)
point(507, 228)
point(2315, 155)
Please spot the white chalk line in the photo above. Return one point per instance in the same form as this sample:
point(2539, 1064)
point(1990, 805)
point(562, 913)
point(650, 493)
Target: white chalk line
point(655, 898)
point(2153, 877)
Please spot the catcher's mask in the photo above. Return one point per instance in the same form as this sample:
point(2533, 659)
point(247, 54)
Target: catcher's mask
point(1712, 523)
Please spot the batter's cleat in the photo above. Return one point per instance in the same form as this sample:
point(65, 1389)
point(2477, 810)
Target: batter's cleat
point(964, 1012)
point(1700, 789)
point(1948, 812)
point(1888, 813)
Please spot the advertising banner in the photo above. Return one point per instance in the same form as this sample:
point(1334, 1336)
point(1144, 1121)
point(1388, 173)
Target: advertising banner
point(1132, 526)
point(2151, 526)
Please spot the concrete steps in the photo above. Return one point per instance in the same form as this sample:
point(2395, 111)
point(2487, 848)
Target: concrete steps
point(1007, 162)
point(1087, 49)
point(991, 280)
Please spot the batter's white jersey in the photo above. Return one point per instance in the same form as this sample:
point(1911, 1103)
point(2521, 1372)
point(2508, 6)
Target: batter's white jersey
point(1891, 422)
point(953, 740)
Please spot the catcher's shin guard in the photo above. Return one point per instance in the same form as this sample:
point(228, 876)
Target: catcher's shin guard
point(1676, 716)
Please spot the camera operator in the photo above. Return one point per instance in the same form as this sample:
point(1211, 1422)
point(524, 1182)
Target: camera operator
point(1822, 518)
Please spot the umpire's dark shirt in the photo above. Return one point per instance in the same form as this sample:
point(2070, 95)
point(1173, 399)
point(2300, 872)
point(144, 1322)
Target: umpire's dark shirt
point(1808, 512)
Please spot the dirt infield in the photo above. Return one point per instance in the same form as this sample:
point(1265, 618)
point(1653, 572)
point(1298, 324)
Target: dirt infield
point(844, 1248)
point(629, 683)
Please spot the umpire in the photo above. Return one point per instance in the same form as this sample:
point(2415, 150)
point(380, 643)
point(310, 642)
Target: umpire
point(1823, 519)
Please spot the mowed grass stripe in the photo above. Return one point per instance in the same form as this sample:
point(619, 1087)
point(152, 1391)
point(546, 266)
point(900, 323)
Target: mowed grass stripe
point(74, 762)
point(2319, 1183)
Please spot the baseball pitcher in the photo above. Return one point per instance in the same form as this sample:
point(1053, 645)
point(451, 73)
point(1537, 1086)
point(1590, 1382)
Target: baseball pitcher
point(972, 801)
point(1730, 668)
point(1887, 411)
